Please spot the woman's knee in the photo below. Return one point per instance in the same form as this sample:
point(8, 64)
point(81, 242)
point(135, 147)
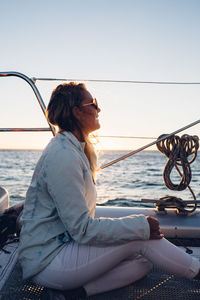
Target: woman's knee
point(144, 266)
point(135, 269)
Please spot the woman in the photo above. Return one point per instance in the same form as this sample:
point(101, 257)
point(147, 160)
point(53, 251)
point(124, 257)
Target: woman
point(63, 246)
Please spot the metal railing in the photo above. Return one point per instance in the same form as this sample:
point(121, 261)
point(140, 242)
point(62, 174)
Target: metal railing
point(39, 98)
point(31, 82)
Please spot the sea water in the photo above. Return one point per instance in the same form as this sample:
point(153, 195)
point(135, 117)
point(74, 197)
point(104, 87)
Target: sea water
point(122, 184)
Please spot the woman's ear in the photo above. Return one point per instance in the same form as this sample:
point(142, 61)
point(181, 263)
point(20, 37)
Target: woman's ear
point(76, 112)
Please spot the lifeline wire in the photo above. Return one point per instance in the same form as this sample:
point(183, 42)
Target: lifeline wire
point(128, 137)
point(116, 81)
point(149, 145)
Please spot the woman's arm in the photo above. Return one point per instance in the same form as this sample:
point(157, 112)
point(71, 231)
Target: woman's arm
point(66, 185)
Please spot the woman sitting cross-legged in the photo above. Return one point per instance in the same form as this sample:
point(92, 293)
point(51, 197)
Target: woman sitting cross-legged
point(62, 245)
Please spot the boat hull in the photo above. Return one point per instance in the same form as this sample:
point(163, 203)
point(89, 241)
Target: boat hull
point(4, 199)
point(172, 225)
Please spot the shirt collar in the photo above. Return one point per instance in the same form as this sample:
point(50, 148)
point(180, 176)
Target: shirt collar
point(71, 137)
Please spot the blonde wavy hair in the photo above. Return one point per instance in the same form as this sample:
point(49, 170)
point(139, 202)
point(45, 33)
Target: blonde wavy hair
point(59, 113)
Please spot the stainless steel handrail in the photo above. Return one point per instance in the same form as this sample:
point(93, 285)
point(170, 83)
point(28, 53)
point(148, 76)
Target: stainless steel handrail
point(32, 81)
point(24, 129)
point(35, 89)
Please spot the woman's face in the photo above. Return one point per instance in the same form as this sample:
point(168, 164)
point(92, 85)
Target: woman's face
point(88, 116)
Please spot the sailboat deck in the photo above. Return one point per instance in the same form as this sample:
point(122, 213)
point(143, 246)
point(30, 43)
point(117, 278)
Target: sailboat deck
point(156, 285)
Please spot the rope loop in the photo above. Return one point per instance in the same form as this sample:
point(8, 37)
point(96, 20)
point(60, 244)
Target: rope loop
point(178, 150)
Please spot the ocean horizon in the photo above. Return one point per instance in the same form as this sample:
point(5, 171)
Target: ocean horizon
point(122, 184)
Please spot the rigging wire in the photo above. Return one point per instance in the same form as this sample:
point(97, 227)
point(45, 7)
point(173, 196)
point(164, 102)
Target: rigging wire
point(95, 136)
point(149, 145)
point(127, 137)
point(117, 81)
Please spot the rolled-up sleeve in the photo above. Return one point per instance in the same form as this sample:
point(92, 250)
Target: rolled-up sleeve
point(65, 179)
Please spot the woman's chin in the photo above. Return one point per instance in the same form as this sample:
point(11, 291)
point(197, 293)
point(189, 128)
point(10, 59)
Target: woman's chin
point(98, 126)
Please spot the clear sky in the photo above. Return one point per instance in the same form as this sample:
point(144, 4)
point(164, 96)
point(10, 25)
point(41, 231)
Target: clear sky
point(148, 40)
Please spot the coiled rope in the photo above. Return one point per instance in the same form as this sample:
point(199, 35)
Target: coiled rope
point(178, 150)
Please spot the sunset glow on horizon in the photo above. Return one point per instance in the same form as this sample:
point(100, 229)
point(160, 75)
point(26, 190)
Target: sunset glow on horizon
point(115, 40)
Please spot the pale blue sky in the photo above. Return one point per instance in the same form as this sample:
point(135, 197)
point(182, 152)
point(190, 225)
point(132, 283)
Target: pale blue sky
point(122, 40)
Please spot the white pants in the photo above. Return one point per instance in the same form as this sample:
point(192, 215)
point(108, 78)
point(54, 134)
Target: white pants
point(102, 269)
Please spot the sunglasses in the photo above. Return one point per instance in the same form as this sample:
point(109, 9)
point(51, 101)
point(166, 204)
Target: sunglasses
point(93, 103)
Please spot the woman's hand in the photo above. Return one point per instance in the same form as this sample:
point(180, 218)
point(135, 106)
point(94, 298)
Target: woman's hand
point(154, 226)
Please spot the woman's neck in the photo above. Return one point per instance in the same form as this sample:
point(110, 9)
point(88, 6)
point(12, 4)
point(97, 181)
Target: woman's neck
point(80, 137)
